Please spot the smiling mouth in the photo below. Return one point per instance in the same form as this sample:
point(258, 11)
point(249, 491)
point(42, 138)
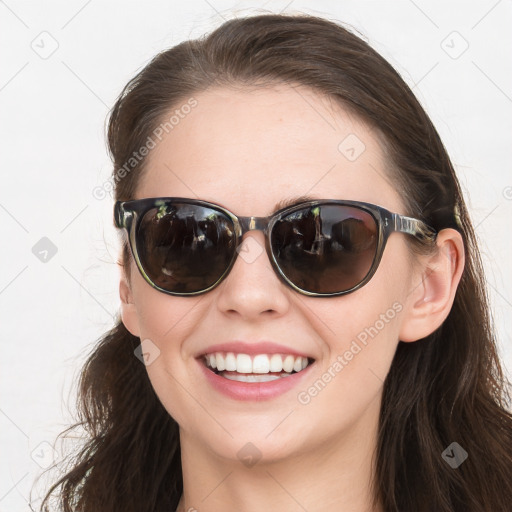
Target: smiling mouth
point(260, 368)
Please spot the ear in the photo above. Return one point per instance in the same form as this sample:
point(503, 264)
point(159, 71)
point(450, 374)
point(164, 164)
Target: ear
point(128, 310)
point(430, 302)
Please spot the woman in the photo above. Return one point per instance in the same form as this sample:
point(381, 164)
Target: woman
point(304, 324)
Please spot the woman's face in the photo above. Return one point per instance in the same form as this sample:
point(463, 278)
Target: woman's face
point(249, 150)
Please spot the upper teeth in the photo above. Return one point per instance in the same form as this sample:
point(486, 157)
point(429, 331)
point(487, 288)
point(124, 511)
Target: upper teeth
point(261, 363)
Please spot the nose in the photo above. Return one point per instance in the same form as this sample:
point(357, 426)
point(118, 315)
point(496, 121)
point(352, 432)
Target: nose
point(252, 289)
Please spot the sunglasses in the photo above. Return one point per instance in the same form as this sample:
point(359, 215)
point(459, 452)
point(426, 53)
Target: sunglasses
point(320, 248)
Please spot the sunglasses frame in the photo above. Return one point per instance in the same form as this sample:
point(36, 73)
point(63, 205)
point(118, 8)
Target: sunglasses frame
point(128, 214)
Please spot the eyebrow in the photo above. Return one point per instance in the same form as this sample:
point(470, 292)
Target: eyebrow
point(292, 201)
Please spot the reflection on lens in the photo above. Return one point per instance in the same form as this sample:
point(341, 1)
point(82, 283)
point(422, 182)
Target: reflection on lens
point(325, 249)
point(185, 248)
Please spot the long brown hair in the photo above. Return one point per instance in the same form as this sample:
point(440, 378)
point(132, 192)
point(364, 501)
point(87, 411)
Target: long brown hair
point(448, 387)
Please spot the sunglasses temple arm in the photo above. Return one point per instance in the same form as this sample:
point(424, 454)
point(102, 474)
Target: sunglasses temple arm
point(413, 227)
point(121, 215)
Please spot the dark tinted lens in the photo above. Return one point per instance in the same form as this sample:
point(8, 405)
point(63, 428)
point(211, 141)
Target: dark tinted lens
point(325, 249)
point(185, 248)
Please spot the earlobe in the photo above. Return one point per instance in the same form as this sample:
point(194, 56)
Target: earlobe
point(128, 310)
point(432, 298)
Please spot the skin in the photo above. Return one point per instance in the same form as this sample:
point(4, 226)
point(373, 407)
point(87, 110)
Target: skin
point(247, 150)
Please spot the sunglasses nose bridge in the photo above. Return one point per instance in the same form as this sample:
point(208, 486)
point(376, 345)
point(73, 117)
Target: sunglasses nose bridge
point(251, 223)
point(255, 224)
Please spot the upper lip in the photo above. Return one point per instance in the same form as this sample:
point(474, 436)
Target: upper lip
point(244, 347)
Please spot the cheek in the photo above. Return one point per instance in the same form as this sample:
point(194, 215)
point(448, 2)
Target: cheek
point(343, 395)
point(161, 317)
point(374, 312)
point(360, 332)
point(367, 324)
point(166, 321)
point(361, 343)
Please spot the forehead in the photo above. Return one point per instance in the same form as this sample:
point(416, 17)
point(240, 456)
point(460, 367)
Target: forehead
point(252, 149)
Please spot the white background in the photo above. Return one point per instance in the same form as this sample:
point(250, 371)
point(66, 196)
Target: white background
point(54, 154)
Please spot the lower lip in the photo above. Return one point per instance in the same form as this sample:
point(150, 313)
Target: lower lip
point(253, 390)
